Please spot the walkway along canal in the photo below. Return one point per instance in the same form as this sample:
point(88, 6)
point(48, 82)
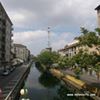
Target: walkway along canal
point(42, 85)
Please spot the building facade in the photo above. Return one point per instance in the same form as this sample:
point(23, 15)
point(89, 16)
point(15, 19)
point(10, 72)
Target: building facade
point(28, 54)
point(5, 38)
point(20, 51)
point(69, 50)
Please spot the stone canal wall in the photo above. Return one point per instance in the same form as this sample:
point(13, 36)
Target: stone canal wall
point(14, 93)
point(78, 84)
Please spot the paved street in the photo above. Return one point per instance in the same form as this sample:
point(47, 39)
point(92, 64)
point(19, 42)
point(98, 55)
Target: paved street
point(85, 78)
point(4, 80)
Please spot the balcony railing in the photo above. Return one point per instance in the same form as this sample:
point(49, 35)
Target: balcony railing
point(3, 34)
point(4, 26)
point(3, 19)
point(2, 50)
point(3, 59)
point(11, 34)
point(11, 40)
point(2, 41)
point(12, 28)
point(0, 22)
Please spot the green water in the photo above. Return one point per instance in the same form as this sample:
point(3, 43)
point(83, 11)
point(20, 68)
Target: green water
point(44, 86)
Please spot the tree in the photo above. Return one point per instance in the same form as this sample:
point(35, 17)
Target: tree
point(83, 58)
point(48, 80)
point(47, 58)
point(89, 38)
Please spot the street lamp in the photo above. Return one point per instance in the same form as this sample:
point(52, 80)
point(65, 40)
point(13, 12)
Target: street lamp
point(24, 92)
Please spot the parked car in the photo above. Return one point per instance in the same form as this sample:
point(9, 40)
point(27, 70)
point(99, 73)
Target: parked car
point(11, 69)
point(5, 72)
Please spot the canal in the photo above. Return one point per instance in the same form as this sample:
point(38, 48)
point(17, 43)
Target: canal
point(42, 85)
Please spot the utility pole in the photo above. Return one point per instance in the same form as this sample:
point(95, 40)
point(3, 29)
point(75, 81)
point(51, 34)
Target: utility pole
point(48, 35)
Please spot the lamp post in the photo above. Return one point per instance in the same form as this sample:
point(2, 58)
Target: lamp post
point(24, 92)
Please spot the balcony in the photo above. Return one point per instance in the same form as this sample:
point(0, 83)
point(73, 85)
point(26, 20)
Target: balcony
point(3, 34)
point(11, 34)
point(3, 59)
point(0, 12)
point(0, 22)
point(12, 28)
point(0, 29)
point(3, 41)
point(11, 40)
point(4, 25)
point(4, 19)
point(0, 35)
point(2, 50)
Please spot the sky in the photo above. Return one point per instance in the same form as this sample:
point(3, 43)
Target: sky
point(30, 21)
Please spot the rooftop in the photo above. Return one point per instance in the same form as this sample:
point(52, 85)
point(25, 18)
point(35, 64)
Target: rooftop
point(5, 13)
point(97, 8)
point(19, 45)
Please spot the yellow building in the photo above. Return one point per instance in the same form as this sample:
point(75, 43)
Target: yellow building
point(69, 50)
point(72, 49)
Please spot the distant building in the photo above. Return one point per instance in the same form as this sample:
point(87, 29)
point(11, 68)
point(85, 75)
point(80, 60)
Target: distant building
point(5, 37)
point(28, 54)
point(31, 56)
point(47, 49)
point(70, 50)
point(20, 51)
point(98, 15)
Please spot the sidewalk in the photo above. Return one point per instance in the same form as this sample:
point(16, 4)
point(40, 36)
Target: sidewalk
point(85, 78)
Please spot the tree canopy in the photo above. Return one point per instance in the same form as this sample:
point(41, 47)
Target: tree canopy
point(84, 59)
point(47, 58)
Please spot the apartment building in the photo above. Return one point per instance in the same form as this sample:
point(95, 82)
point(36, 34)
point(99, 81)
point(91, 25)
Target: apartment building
point(5, 37)
point(69, 50)
point(20, 51)
point(28, 54)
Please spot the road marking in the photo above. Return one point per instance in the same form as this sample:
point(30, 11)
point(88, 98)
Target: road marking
point(8, 87)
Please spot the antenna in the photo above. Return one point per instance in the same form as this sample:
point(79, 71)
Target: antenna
point(48, 35)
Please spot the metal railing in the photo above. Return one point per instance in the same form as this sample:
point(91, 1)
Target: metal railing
point(21, 79)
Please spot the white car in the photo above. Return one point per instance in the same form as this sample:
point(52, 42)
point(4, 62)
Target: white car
point(5, 72)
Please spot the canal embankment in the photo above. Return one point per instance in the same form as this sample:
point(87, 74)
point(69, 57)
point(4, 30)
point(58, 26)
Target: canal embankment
point(80, 86)
point(11, 90)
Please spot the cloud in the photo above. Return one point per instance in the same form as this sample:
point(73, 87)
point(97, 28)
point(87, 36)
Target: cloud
point(66, 35)
point(68, 15)
point(58, 12)
point(30, 37)
point(59, 45)
point(37, 40)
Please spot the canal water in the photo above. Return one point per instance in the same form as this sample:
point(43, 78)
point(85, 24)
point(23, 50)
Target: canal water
point(42, 85)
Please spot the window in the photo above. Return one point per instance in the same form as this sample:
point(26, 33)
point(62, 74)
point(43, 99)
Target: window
point(14, 49)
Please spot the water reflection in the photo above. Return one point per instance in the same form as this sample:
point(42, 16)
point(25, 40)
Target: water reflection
point(62, 92)
point(39, 67)
point(48, 80)
point(44, 86)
